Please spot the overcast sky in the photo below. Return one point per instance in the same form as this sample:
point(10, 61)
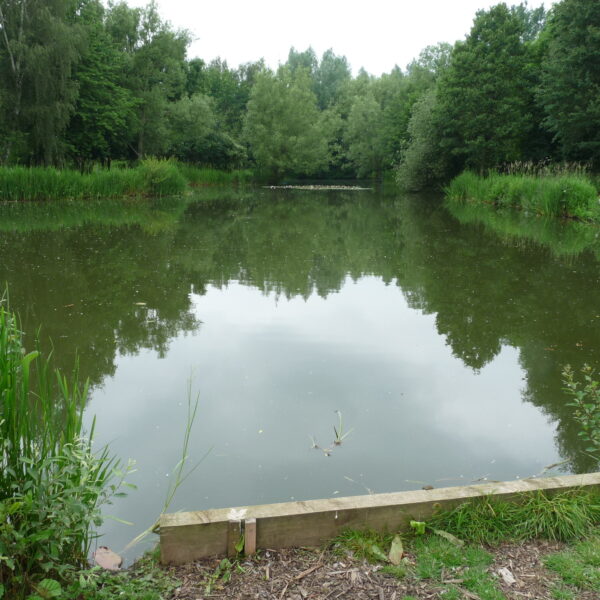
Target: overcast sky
point(374, 34)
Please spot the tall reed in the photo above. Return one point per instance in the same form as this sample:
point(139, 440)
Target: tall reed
point(152, 177)
point(52, 484)
point(555, 195)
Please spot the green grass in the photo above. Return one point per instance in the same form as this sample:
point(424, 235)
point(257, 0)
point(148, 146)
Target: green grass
point(563, 516)
point(436, 560)
point(152, 177)
point(555, 195)
point(52, 483)
point(578, 566)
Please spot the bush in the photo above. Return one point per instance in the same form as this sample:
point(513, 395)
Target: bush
point(52, 485)
point(161, 177)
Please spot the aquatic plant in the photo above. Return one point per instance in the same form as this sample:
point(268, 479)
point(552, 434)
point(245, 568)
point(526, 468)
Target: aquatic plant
point(52, 483)
point(559, 196)
point(152, 177)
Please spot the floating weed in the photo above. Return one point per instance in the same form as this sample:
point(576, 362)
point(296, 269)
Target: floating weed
point(340, 436)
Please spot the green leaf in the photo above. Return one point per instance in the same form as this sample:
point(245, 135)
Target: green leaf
point(419, 527)
point(239, 546)
point(396, 551)
point(49, 588)
point(378, 553)
point(1, 590)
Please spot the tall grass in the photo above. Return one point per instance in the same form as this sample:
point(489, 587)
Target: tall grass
point(562, 516)
point(52, 484)
point(555, 195)
point(152, 177)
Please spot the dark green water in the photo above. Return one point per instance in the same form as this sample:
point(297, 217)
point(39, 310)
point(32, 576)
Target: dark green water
point(440, 336)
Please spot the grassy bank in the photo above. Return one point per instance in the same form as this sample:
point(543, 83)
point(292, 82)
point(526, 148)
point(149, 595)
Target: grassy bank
point(555, 195)
point(52, 484)
point(152, 177)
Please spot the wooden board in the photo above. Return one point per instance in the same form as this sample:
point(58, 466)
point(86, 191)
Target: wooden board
point(185, 537)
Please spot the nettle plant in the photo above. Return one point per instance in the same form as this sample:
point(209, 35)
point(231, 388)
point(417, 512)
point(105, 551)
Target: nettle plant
point(585, 394)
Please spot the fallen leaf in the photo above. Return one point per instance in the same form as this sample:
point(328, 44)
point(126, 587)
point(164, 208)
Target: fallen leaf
point(448, 536)
point(396, 551)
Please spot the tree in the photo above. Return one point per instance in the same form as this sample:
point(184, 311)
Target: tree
point(570, 87)
point(41, 43)
point(155, 70)
point(485, 96)
point(283, 125)
point(422, 164)
point(331, 75)
point(365, 136)
point(104, 108)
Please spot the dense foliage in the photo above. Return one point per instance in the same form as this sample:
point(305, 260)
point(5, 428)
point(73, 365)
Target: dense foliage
point(52, 484)
point(85, 84)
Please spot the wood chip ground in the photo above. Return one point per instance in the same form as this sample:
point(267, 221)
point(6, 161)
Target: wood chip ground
point(305, 574)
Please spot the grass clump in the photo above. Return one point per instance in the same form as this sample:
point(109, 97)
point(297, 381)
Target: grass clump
point(152, 177)
point(578, 566)
point(566, 195)
point(52, 484)
point(564, 516)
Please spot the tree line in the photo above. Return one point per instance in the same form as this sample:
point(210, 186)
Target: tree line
point(83, 84)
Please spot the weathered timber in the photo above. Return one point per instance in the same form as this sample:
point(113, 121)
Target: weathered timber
point(185, 537)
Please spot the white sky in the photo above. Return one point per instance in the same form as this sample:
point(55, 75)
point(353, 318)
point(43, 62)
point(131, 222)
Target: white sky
point(374, 34)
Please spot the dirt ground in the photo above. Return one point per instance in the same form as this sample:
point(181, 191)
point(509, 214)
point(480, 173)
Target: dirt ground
point(304, 574)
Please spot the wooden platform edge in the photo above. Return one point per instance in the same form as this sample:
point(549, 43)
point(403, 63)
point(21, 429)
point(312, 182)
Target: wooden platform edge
point(189, 536)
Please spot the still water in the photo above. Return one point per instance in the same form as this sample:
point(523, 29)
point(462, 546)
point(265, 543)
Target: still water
point(438, 334)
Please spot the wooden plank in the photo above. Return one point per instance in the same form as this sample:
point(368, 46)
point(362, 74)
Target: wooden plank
point(234, 535)
point(250, 537)
point(186, 537)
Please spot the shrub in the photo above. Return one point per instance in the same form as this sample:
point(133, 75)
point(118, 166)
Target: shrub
point(51, 482)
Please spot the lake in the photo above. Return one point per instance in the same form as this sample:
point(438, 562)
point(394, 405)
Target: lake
point(438, 335)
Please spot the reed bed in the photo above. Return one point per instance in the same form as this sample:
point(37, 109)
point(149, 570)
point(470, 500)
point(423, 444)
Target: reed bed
point(52, 484)
point(555, 195)
point(152, 177)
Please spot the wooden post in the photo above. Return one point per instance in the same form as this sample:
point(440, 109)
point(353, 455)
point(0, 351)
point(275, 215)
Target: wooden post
point(250, 537)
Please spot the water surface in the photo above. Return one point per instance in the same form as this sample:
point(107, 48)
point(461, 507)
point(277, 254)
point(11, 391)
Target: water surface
point(440, 339)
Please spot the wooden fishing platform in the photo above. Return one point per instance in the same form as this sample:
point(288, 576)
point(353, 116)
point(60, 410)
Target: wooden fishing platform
point(188, 536)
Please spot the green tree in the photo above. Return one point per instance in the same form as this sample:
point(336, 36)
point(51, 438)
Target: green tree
point(485, 96)
point(104, 108)
point(422, 164)
point(570, 88)
point(365, 136)
point(283, 125)
point(331, 75)
point(41, 43)
point(155, 71)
